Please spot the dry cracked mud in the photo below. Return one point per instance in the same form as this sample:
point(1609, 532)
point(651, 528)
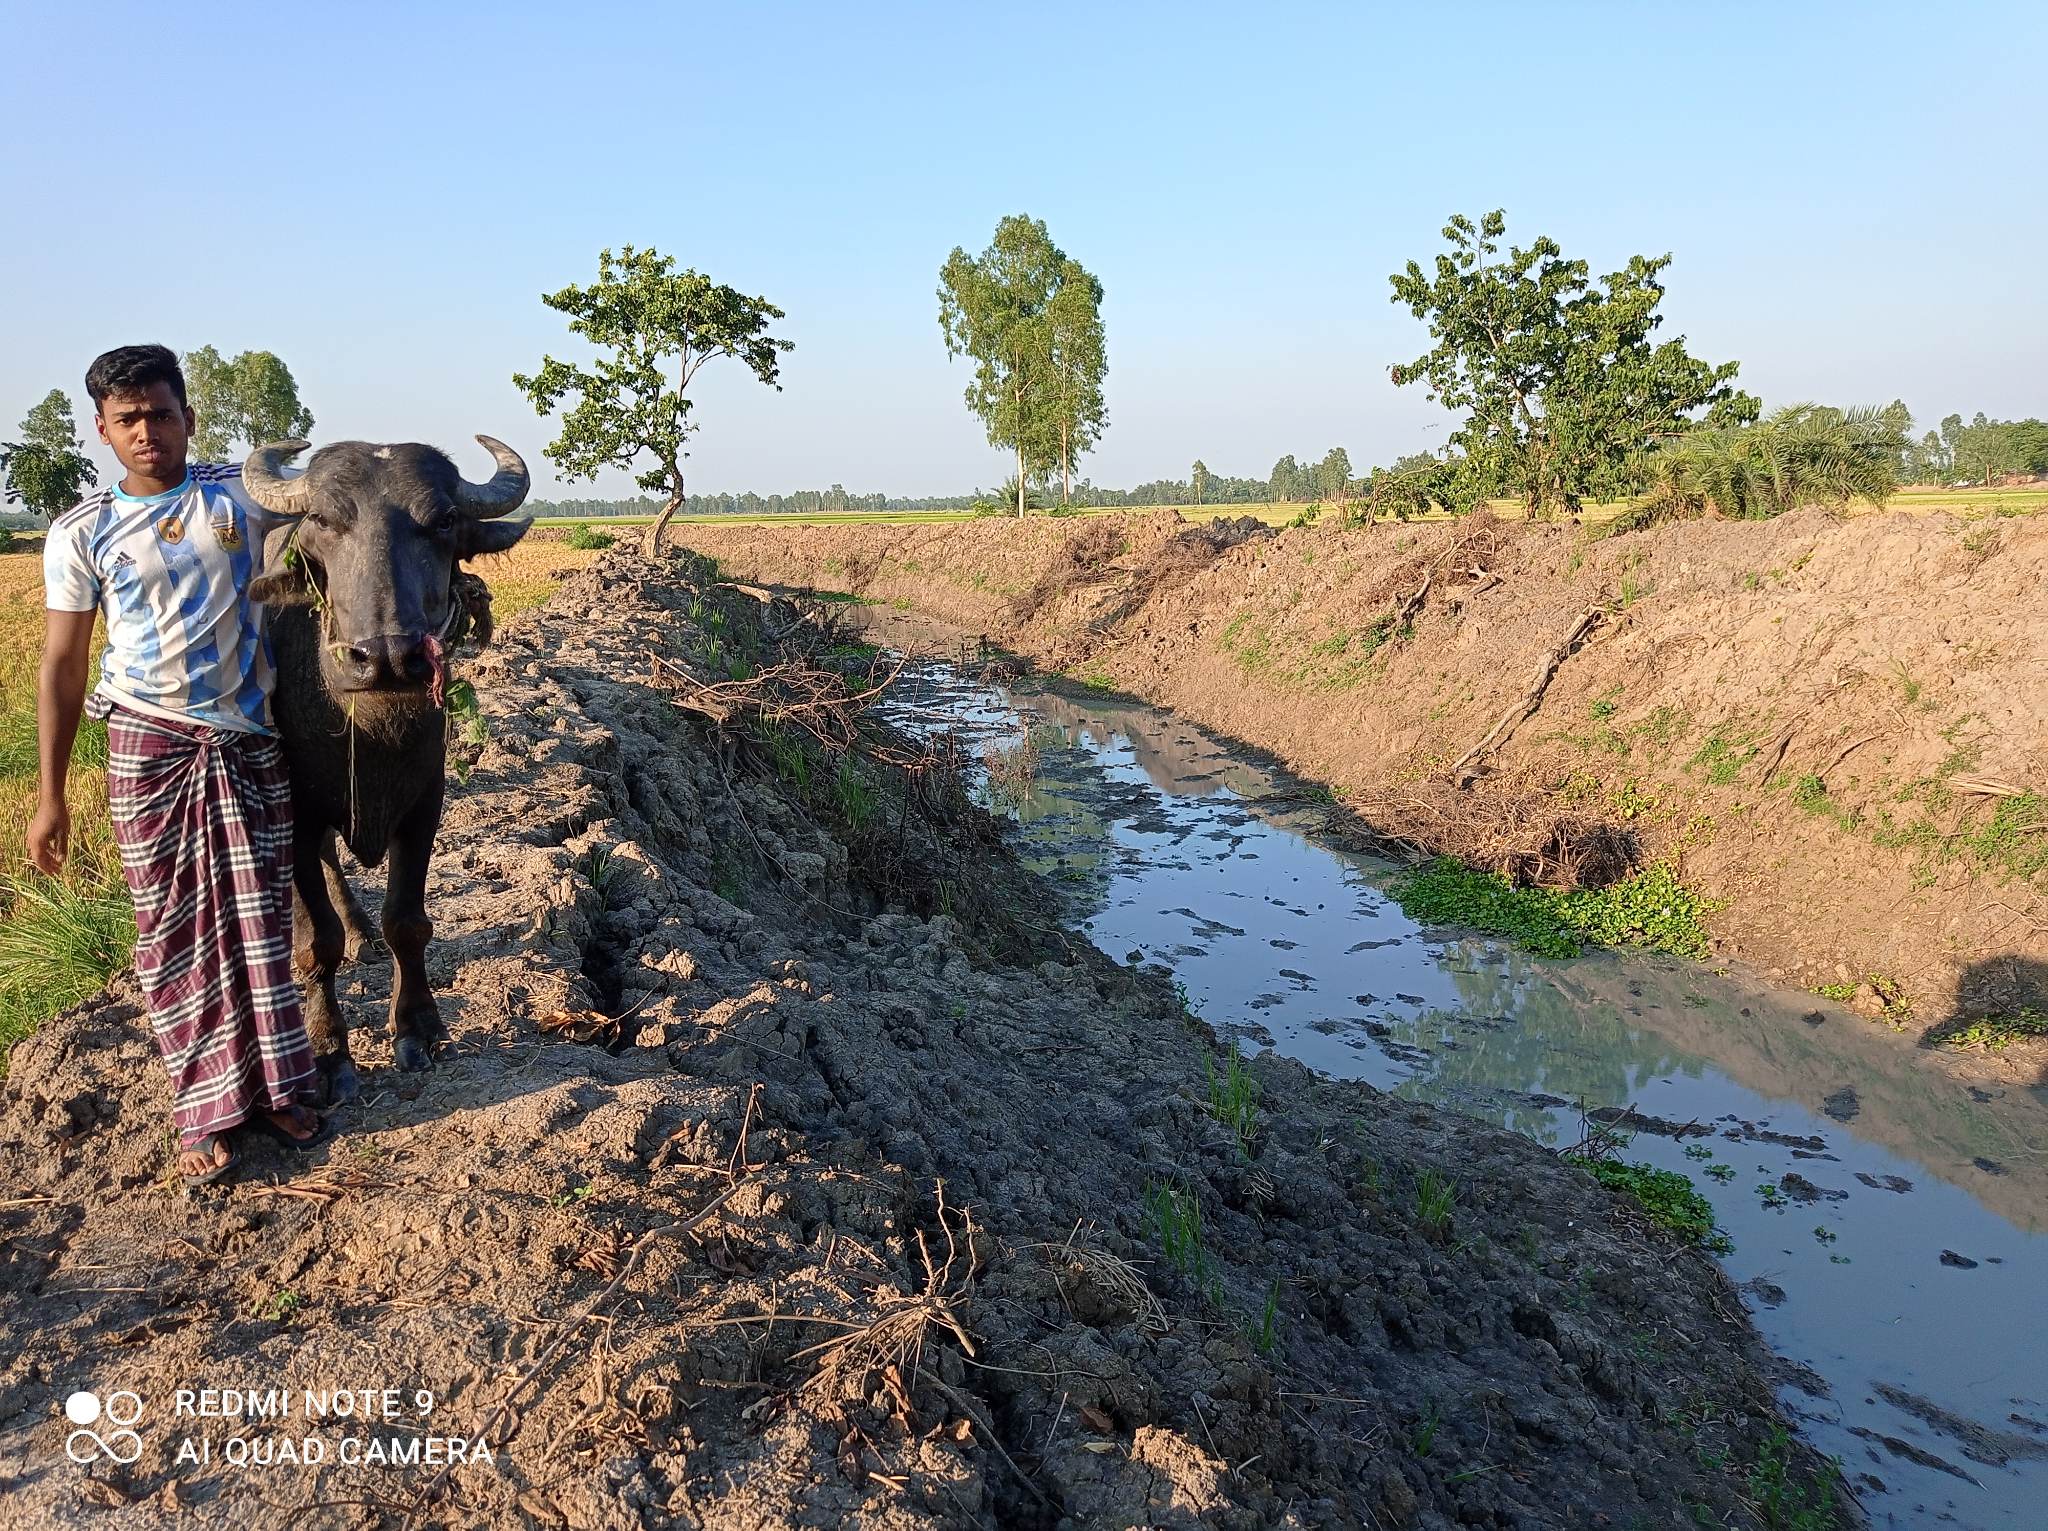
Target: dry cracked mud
point(935, 1293)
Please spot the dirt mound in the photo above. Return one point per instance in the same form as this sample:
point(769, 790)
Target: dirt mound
point(1833, 728)
point(890, 1202)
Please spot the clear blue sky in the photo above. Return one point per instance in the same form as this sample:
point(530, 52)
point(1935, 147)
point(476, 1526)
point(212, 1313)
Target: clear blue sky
point(379, 193)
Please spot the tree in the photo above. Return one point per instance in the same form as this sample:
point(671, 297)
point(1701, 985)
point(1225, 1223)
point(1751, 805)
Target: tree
point(1333, 475)
point(1030, 320)
point(1557, 377)
point(657, 327)
point(47, 469)
point(1198, 477)
point(1804, 454)
point(251, 399)
point(1080, 360)
point(1286, 480)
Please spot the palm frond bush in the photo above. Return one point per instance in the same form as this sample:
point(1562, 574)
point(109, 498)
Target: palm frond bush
point(1803, 454)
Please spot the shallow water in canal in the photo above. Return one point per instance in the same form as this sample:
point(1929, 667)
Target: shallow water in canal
point(1890, 1222)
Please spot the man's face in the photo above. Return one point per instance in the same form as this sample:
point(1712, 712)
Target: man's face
point(148, 431)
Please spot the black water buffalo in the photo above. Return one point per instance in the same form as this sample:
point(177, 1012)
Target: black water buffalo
point(367, 594)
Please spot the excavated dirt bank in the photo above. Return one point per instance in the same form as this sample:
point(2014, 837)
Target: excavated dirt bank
point(936, 1297)
point(1823, 722)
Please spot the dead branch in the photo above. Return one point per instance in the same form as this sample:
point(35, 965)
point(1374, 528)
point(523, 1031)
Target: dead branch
point(1405, 612)
point(794, 691)
point(1546, 670)
point(1985, 786)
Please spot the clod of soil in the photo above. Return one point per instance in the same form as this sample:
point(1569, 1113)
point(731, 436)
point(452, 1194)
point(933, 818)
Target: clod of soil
point(874, 1199)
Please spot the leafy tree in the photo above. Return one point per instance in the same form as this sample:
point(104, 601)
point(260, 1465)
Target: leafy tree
point(657, 327)
point(1804, 454)
point(1080, 359)
point(47, 469)
point(251, 399)
point(1333, 475)
point(1557, 377)
point(1198, 477)
point(1029, 318)
point(1285, 482)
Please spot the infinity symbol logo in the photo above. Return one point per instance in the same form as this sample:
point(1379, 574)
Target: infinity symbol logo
point(121, 1409)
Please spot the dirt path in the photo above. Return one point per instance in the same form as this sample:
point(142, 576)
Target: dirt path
point(934, 1292)
point(1835, 728)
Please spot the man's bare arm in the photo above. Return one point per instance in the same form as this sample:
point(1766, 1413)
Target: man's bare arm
point(60, 699)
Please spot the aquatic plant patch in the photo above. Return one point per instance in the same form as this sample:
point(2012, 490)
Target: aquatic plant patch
point(1652, 909)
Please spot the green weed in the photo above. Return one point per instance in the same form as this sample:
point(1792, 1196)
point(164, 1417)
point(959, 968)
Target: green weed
point(854, 796)
point(1994, 1033)
point(1435, 1199)
point(1265, 1331)
point(1423, 1438)
point(1667, 1196)
point(1175, 1216)
point(1783, 1504)
point(280, 1307)
point(600, 866)
point(1650, 908)
point(1723, 756)
point(584, 540)
point(1234, 1099)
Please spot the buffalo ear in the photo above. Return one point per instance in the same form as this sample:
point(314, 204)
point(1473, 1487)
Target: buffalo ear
point(287, 589)
point(480, 537)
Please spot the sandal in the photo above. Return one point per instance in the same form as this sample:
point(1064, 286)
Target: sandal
point(323, 1129)
point(209, 1145)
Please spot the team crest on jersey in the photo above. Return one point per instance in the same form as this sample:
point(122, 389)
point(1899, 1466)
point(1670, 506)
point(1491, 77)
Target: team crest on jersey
point(171, 528)
point(227, 534)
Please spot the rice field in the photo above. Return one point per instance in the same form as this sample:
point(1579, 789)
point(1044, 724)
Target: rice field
point(2026, 499)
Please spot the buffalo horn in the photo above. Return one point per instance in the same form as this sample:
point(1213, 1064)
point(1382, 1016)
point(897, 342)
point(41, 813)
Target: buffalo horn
point(506, 490)
point(268, 486)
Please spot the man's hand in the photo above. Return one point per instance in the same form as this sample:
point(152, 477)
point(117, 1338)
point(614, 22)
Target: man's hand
point(49, 837)
point(60, 697)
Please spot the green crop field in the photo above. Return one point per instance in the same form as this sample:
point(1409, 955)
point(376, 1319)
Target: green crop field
point(2025, 499)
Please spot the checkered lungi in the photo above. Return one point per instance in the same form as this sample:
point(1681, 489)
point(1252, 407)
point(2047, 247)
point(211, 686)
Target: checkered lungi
point(203, 817)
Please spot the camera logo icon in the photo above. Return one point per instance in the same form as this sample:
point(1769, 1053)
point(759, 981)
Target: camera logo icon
point(121, 1410)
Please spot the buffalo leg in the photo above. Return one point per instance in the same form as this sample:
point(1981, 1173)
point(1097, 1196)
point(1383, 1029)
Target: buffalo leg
point(361, 942)
point(318, 943)
point(415, 1018)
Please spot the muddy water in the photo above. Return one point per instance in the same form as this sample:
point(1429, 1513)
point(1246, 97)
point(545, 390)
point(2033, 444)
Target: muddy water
point(1890, 1223)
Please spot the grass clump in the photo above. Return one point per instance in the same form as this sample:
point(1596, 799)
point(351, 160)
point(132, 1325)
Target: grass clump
point(584, 540)
point(1175, 1217)
point(1234, 1099)
point(1651, 908)
point(1667, 1196)
point(1783, 1503)
point(60, 942)
point(1435, 1199)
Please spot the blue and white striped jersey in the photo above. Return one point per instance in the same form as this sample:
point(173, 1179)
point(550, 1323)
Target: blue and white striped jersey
point(172, 573)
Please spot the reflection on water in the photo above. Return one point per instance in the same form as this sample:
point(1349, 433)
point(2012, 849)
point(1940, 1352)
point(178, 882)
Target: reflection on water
point(1888, 1220)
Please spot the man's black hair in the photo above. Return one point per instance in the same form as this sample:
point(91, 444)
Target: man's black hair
point(132, 369)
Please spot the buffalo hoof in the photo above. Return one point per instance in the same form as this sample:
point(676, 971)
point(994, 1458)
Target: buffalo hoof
point(338, 1083)
point(412, 1054)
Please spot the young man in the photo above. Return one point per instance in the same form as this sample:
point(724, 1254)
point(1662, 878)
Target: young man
point(196, 780)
